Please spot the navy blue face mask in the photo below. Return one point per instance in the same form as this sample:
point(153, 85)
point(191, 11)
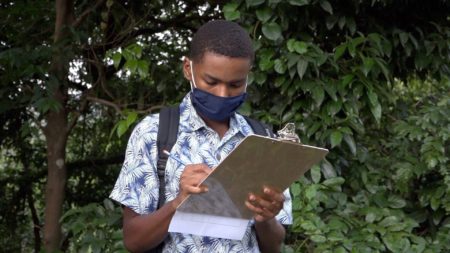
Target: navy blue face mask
point(212, 106)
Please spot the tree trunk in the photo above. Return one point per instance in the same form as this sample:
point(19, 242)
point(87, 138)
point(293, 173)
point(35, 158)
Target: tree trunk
point(56, 131)
point(56, 137)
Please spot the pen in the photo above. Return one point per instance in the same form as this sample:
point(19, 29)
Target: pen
point(173, 157)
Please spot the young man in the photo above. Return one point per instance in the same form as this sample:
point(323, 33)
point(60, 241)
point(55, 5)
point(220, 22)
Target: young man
point(220, 59)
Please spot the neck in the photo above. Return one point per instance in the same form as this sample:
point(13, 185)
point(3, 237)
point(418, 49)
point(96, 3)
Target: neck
point(221, 127)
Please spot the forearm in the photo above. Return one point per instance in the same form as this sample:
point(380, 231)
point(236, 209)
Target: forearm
point(270, 235)
point(143, 232)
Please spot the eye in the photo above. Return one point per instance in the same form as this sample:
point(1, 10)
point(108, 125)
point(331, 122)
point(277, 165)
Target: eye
point(237, 85)
point(210, 82)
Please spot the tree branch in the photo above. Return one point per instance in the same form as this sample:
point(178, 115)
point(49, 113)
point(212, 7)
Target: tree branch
point(76, 115)
point(105, 102)
point(117, 159)
point(118, 107)
point(86, 13)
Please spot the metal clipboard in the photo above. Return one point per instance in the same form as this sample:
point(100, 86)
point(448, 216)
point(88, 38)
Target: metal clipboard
point(256, 161)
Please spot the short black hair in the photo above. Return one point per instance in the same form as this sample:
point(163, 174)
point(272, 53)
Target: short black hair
point(221, 37)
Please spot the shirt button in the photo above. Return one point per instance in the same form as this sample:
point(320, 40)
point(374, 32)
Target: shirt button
point(218, 157)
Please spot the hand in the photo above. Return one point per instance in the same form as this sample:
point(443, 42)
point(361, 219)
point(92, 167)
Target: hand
point(190, 180)
point(267, 205)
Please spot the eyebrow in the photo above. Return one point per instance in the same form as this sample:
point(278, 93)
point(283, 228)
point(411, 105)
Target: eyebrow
point(214, 79)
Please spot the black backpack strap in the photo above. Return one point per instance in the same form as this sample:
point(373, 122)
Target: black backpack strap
point(259, 128)
point(169, 118)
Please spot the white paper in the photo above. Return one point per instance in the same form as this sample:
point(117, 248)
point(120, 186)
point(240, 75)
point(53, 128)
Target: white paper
point(208, 225)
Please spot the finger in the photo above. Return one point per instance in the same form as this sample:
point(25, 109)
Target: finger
point(256, 210)
point(274, 195)
point(190, 189)
point(273, 207)
point(262, 213)
point(258, 207)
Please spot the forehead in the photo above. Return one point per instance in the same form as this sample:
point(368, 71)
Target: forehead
point(223, 66)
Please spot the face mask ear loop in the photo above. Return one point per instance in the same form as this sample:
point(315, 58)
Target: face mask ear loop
point(246, 83)
point(193, 85)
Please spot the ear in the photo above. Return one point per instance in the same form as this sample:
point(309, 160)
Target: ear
point(187, 68)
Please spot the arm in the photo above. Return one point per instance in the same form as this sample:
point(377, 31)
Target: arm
point(143, 232)
point(269, 231)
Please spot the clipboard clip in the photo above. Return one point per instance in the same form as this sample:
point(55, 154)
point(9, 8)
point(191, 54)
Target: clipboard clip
point(288, 133)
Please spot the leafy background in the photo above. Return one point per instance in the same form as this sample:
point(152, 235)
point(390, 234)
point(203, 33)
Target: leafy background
point(367, 79)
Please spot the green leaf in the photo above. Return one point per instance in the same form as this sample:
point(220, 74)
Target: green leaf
point(318, 94)
point(331, 90)
point(376, 112)
point(318, 238)
point(335, 138)
point(340, 249)
point(351, 143)
point(373, 98)
point(336, 181)
point(311, 192)
point(367, 65)
point(370, 217)
point(295, 189)
point(142, 68)
point(434, 203)
point(383, 66)
point(300, 47)
point(117, 57)
point(389, 221)
point(279, 81)
point(264, 14)
point(347, 79)
point(260, 78)
point(351, 25)
point(245, 109)
point(122, 127)
point(137, 50)
point(299, 2)
point(403, 38)
point(131, 118)
point(313, 129)
point(290, 45)
point(315, 173)
point(326, 6)
point(302, 65)
point(331, 21)
point(253, 2)
point(131, 65)
point(287, 116)
point(108, 204)
point(279, 66)
point(328, 169)
point(232, 15)
point(339, 51)
point(336, 223)
point(341, 22)
point(272, 31)
point(230, 11)
point(396, 202)
point(333, 107)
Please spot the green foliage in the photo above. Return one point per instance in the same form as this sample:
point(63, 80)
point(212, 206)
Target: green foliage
point(94, 228)
point(366, 79)
point(394, 198)
point(344, 73)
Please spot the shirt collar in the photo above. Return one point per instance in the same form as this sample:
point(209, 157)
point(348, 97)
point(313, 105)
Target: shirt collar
point(190, 121)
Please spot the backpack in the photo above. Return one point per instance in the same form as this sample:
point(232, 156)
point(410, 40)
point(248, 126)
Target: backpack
point(169, 118)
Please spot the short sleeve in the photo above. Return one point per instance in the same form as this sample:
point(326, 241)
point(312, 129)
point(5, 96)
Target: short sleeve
point(137, 185)
point(285, 215)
